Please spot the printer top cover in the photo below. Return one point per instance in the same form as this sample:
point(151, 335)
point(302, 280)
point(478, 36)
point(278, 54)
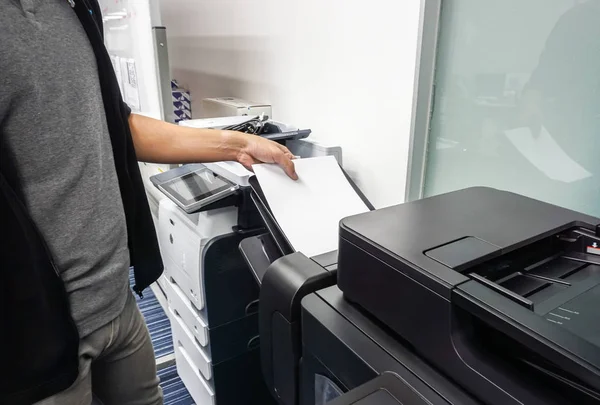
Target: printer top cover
point(445, 235)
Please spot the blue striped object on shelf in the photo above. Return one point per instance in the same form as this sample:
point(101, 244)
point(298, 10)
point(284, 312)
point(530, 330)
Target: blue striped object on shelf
point(157, 321)
point(174, 391)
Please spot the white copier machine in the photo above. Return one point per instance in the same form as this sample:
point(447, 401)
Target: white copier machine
point(212, 298)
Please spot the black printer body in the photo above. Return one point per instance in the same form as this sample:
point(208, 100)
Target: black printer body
point(500, 292)
point(476, 296)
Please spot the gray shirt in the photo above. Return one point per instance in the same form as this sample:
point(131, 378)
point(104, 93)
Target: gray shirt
point(52, 118)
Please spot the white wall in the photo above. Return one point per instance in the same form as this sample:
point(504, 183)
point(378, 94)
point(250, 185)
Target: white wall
point(128, 35)
point(343, 68)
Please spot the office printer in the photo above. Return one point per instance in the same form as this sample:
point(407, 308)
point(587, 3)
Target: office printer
point(314, 345)
point(212, 298)
point(475, 296)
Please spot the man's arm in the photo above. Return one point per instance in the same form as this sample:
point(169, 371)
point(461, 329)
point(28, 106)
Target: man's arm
point(160, 142)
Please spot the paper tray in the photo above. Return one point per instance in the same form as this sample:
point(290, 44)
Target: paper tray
point(262, 250)
point(279, 237)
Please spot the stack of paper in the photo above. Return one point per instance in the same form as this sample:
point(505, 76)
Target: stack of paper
point(309, 209)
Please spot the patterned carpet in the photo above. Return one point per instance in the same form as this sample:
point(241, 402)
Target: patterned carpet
point(157, 321)
point(173, 389)
point(160, 331)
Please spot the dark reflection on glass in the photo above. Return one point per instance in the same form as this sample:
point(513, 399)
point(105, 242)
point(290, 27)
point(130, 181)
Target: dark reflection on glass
point(517, 100)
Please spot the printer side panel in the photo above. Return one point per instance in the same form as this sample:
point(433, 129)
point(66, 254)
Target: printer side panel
point(286, 281)
point(417, 313)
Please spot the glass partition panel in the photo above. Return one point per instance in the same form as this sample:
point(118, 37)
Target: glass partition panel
point(517, 100)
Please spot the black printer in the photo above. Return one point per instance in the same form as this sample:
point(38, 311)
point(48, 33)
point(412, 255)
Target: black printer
point(475, 296)
point(498, 291)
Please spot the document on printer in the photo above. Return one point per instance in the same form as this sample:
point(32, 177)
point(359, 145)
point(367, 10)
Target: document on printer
point(309, 209)
point(546, 155)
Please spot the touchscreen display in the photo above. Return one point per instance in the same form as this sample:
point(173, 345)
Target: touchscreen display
point(196, 186)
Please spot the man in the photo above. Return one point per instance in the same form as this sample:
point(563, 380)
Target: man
point(73, 211)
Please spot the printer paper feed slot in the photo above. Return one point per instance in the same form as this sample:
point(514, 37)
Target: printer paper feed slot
point(309, 210)
point(543, 272)
point(523, 285)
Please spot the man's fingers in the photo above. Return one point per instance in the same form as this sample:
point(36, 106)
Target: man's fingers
point(287, 165)
point(248, 161)
point(283, 148)
point(285, 161)
point(287, 152)
point(264, 152)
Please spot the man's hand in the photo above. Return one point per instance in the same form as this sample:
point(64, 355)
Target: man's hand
point(160, 142)
point(261, 150)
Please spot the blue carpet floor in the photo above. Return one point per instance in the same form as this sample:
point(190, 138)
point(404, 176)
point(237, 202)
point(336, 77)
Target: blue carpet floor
point(158, 323)
point(174, 391)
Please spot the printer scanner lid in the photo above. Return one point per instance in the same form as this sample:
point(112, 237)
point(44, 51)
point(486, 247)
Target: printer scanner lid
point(443, 235)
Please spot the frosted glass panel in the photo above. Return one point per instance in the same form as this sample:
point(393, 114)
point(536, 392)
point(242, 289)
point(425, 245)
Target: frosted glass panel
point(517, 100)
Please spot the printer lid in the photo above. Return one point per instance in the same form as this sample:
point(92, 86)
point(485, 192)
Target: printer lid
point(443, 235)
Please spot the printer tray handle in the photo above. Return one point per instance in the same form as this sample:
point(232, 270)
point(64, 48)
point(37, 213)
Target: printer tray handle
point(288, 280)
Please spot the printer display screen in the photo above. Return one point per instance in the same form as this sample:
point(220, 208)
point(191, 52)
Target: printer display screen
point(196, 186)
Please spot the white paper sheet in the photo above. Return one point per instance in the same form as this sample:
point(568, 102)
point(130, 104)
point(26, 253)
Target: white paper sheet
point(544, 153)
point(309, 210)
